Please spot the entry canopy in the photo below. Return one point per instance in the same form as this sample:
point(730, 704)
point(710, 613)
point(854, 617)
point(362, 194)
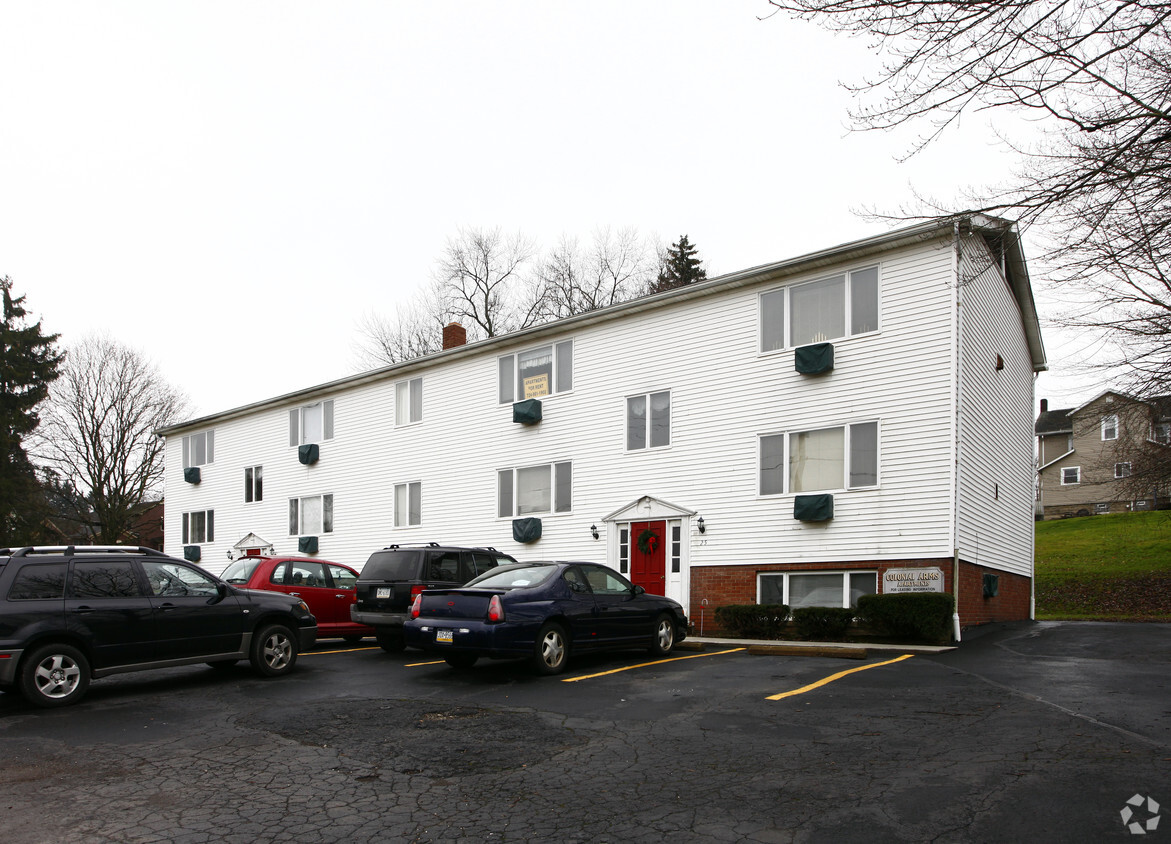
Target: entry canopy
point(648, 508)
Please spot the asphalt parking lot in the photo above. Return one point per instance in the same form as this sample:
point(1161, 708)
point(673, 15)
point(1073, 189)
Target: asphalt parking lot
point(1038, 732)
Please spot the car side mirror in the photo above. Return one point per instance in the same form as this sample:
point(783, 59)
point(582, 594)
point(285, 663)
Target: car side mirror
point(221, 590)
point(638, 590)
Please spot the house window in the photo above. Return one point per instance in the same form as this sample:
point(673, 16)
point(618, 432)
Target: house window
point(198, 449)
point(408, 401)
point(1162, 433)
point(311, 423)
point(535, 489)
point(845, 457)
point(1071, 475)
point(311, 515)
point(537, 372)
point(817, 589)
point(253, 484)
point(676, 547)
point(648, 421)
point(1122, 470)
point(624, 550)
point(198, 527)
point(818, 311)
point(1110, 427)
point(408, 504)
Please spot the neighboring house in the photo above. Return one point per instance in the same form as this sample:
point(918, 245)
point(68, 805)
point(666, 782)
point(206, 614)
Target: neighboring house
point(1098, 457)
point(801, 432)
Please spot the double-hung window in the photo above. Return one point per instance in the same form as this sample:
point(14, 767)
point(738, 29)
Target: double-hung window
point(408, 402)
point(199, 449)
point(1122, 470)
point(311, 515)
point(253, 484)
point(844, 457)
point(199, 527)
point(408, 504)
point(1071, 475)
point(532, 490)
point(537, 372)
point(818, 311)
point(311, 423)
point(1110, 427)
point(648, 420)
point(1161, 433)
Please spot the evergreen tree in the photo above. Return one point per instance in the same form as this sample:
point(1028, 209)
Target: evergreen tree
point(678, 267)
point(29, 362)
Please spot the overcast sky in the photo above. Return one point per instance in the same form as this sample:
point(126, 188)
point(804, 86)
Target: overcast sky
point(229, 186)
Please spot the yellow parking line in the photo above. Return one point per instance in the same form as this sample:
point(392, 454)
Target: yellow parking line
point(826, 680)
point(645, 664)
point(341, 651)
point(417, 664)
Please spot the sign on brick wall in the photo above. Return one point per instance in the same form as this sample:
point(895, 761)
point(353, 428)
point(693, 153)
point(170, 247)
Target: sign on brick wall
point(912, 580)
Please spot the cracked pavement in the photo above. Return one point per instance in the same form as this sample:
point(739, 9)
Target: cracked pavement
point(1037, 732)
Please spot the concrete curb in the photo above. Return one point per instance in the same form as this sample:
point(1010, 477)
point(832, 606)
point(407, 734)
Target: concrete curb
point(838, 650)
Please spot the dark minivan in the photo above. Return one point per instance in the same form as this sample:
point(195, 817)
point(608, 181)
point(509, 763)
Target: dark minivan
point(393, 576)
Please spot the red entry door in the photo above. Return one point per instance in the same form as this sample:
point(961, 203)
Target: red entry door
point(648, 568)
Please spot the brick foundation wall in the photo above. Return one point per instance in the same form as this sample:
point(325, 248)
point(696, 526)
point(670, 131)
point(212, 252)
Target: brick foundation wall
point(723, 585)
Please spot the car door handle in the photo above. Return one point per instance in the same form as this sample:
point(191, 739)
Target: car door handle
point(343, 597)
point(295, 594)
point(83, 610)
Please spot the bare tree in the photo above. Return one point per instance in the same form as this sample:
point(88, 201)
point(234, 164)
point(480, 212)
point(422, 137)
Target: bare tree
point(410, 334)
point(1096, 77)
point(618, 265)
point(99, 431)
point(481, 282)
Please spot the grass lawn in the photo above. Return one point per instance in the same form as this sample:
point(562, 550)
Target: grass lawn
point(1105, 568)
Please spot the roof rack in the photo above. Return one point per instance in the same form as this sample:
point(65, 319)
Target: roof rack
point(78, 550)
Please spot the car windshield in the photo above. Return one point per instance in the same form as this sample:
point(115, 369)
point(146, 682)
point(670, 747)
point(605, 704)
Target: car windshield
point(514, 577)
point(241, 570)
point(392, 564)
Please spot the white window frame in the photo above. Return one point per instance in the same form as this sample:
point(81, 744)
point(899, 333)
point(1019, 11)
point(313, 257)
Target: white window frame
point(648, 421)
point(509, 386)
point(404, 494)
point(1122, 470)
point(781, 299)
point(297, 417)
point(785, 468)
point(1077, 475)
point(1110, 427)
point(189, 522)
point(191, 445)
point(408, 401)
point(845, 575)
point(253, 484)
point(508, 483)
point(297, 515)
point(1161, 432)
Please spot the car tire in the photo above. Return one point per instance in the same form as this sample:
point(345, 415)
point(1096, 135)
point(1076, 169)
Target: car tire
point(54, 675)
point(551, 650)
point(274, 650)
point(393, 641)
point(663, 636)
point(461, 661)
point(223, 664)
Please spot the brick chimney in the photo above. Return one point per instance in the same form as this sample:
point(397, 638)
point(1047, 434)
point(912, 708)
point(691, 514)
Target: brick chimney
point(454, 335)
point(1044, 405)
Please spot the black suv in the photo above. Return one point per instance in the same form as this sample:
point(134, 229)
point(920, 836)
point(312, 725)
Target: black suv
point(392, 578)
point(72, 614)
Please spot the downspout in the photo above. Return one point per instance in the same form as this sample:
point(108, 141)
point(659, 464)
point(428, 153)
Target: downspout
point(959, 392)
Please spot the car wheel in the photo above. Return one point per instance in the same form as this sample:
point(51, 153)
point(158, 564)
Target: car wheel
point(393, 641)
point(274, 650)
point(462, 660)
point(663, 639)
point(551, 651)
point(55, 675)
point(223, 664)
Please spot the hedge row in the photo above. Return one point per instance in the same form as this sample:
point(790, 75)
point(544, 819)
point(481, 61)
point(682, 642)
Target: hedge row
point(912, 617)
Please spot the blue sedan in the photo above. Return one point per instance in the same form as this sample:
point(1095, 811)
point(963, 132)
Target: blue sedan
point(543, 611)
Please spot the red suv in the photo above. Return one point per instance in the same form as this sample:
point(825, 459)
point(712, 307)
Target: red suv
point(328, 588)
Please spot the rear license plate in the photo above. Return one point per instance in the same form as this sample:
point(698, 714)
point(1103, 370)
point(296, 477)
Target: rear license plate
point(443, 636)
point(383, 592)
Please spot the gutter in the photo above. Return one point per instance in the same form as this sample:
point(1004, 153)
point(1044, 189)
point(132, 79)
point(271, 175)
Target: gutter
point(959, 402)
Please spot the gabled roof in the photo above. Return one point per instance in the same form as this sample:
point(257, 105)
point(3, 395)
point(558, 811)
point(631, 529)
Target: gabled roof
point(1054, 422)
point(1001, 235)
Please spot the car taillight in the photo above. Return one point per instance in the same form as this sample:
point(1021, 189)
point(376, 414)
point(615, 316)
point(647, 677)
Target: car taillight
point(416, 606)
point(495, 609)
point(416, 589)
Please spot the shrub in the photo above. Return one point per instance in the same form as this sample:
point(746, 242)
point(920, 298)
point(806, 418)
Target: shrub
point(915, 616)
point(822, 623)
point(753, 621)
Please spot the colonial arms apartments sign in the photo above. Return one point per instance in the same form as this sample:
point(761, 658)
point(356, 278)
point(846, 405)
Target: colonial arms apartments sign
point(912, 580)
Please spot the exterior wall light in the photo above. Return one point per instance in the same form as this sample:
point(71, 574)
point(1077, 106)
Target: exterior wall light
point(702, 527)
point(594, 531)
